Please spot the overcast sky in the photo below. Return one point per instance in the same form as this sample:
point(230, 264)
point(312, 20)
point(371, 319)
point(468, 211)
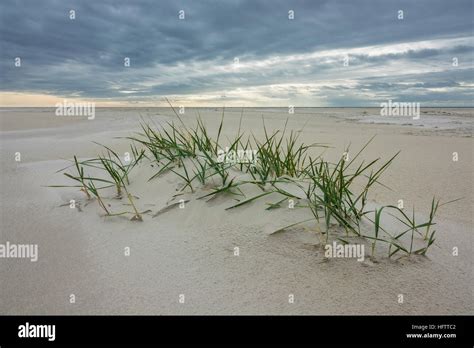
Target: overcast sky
point(238, 53)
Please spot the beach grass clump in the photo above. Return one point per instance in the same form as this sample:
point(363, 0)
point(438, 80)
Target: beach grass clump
point(81, 178)
point(118, 177)
point(336, 194)
point(278, 155)
point(394, 240)
point(114, 172)
point(331, 189)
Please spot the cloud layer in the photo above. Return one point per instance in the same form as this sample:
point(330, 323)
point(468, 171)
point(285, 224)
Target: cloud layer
point(238, 52)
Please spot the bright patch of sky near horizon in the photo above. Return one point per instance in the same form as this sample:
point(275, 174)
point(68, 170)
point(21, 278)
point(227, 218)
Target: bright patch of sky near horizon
point(281, 61)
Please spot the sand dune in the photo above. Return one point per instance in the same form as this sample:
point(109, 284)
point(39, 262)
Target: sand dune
point(191, 251)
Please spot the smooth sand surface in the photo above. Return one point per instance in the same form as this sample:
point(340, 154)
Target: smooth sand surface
point(190, 251)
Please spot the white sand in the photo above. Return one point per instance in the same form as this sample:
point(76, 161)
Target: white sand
point(190, 251)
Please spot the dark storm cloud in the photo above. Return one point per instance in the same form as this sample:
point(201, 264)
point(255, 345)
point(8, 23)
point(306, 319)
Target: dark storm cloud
point(84, 57)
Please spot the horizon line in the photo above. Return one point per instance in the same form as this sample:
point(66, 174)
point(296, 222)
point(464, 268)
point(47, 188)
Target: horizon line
point(240, 107)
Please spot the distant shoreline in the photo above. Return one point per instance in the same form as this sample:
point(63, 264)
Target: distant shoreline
point(239, 107)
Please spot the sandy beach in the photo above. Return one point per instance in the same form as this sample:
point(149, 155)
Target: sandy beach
point(191, 251)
